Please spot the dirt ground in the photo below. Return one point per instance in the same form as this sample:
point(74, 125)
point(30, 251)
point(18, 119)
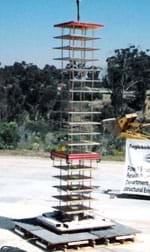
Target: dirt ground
point(26, 191)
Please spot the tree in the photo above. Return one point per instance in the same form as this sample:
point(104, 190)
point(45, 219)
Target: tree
point(128, 76)
point(27, 91)
point(9, 135)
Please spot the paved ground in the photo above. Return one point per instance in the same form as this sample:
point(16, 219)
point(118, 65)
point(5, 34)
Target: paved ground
point(26, 190)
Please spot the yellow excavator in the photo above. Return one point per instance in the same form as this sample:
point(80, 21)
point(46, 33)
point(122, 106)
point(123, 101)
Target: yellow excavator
point(127, 126)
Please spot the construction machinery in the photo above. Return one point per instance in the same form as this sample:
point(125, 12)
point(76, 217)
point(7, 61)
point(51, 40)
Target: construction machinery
point(128, 126)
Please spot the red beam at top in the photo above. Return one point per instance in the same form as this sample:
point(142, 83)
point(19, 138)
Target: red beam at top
point(78, 25)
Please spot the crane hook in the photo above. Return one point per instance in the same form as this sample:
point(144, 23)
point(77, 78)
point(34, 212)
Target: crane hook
point(78, 10)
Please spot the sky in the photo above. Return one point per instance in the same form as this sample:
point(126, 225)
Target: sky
point(26, 27)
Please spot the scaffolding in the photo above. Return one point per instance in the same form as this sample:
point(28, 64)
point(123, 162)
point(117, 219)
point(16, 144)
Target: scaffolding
point(73, 225)
point(76, 156)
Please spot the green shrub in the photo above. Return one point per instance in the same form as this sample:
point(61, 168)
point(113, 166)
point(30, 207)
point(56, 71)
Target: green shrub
point(113, 146)
point(33, 142)
point(9, 135)
point(39, 128)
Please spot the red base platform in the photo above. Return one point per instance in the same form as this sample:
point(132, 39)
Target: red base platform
point(76, 156)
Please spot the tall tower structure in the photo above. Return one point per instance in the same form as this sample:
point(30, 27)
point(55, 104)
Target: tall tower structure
point(74, 222)
point(75, 157)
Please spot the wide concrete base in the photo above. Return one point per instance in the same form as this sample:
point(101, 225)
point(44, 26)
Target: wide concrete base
point(48, 238)
point(59, 223)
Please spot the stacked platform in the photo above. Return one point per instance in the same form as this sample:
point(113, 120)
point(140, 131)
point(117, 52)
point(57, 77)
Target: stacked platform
point(76, 156)
point(75, 185)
